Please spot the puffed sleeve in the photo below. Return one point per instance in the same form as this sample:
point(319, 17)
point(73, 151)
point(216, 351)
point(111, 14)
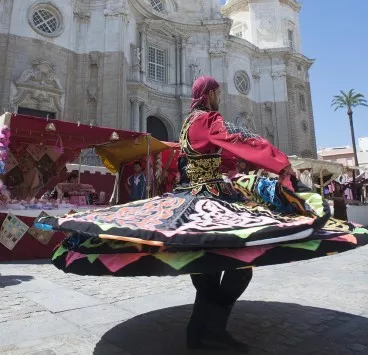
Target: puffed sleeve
point(246, 145)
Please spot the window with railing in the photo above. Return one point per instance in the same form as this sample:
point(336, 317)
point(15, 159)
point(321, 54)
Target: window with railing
point(156, 64)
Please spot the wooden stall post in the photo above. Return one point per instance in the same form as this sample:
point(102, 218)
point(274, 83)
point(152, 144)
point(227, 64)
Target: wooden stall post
point(148, 169)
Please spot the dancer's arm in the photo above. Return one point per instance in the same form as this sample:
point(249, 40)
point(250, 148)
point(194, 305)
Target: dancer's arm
point(247, 145)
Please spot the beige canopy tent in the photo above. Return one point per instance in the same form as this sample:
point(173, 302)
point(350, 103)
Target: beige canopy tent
point(317, 169)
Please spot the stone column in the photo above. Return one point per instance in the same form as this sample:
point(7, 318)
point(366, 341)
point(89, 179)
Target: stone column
point(183, 56)
point(135, 115)
point(256, 75)
point(143, 118)
point(281, 112)
point(143, 33)
point(114, 71)
point(219, 65)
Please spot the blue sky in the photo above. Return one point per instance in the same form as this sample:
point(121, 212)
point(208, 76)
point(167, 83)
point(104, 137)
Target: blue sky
point(335, 34)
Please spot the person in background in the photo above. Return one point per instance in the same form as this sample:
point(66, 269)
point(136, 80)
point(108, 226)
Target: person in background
point(53, 194)
point(72, 178)
point(136, 183)
point(339, 203)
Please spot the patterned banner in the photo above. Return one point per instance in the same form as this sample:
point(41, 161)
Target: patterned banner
point(12, 230)
point(43, 237)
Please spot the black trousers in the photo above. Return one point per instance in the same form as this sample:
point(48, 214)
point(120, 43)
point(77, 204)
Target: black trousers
point(223, 292)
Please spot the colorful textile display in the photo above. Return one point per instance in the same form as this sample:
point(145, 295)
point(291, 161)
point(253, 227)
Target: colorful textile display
point(12, 230)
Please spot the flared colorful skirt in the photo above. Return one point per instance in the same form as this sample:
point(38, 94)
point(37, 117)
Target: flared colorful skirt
point(202, 231)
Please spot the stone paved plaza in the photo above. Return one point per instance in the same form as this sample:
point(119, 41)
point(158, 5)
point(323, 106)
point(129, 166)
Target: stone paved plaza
point(314, 307)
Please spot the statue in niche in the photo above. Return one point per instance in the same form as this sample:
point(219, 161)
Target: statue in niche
point(137, 56)
point(92, 92)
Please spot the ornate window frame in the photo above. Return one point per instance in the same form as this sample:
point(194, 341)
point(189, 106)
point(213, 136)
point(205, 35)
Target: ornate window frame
point(51, 8)
point(159, 6)
point(242, 74)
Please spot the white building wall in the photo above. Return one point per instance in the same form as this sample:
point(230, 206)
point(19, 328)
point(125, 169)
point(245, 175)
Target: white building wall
point(103, 68)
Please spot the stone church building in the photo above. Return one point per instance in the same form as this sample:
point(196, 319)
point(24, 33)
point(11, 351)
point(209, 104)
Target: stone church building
point(130, 64)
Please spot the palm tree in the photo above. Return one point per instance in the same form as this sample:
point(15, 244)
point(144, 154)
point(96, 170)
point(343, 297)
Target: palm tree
point(349, 101)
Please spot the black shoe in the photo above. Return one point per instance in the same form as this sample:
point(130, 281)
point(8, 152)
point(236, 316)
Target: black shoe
point(216, 329)
point(197, 326)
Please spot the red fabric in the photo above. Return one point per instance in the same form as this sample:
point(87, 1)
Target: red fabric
point(29, 248)
point(31, 130)
point(228, 162)
point(208, 133)
point(200, 90)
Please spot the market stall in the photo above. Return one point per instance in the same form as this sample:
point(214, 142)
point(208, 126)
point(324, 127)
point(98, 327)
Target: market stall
point(159, 161)
point(357, 210)
point(316, 174)
point(321, 175)
point(34, 153)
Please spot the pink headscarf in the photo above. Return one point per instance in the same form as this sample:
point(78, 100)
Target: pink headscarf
point(201, 88)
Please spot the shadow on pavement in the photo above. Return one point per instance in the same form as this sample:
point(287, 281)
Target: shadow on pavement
point(11, 280)
point(268, 328)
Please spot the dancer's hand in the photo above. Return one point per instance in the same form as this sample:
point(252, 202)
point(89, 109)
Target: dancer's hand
point(285, 176)
point(288, 171)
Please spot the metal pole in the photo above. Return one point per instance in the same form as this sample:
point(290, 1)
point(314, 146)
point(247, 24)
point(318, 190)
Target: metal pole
point(148, 137)
point(121, 170)
point(321, 182)
point(79, 169)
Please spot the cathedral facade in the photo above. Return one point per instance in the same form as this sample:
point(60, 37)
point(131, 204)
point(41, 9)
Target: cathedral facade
point(130, 64)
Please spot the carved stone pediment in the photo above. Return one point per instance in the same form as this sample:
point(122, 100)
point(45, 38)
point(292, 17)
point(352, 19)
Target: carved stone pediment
point(234, 6)
point(83, 15)
point(164, 28)
point(38, 88)
point(117, 9)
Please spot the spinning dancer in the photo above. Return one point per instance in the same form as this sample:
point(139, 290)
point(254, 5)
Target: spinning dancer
point(208, 226)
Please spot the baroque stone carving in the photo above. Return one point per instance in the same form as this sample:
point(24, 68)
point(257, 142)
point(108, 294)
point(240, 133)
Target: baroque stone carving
point(137, 56)
point(92, 92)
point(116, 10)
point(82, 15)
point(38, 88)
point(217, 48)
